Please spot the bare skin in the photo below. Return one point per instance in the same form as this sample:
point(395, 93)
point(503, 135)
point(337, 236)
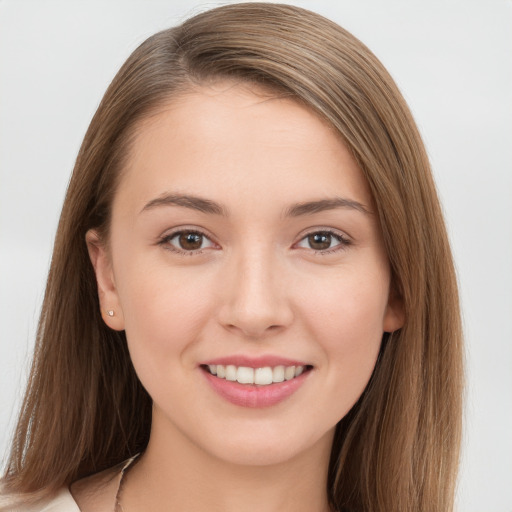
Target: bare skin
point(289, 262)
point(248, 489)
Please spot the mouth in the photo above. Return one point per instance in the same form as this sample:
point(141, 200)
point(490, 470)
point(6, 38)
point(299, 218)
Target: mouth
point(264, 376)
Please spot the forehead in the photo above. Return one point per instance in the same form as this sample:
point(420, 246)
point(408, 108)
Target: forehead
point(242, 138)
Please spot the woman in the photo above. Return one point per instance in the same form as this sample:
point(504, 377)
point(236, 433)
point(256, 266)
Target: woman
point(252, 302)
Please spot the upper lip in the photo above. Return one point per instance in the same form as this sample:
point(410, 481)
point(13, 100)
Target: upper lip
point(254, 362)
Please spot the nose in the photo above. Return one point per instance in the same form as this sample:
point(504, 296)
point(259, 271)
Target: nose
point(255, 297)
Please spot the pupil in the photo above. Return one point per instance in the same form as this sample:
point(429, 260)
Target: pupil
point(191, 241)
point(319, 241)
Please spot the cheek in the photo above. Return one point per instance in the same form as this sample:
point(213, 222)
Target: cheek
point(164, 313)
point(349, 307)
point(346, 319)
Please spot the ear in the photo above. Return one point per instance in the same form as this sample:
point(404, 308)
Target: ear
point(394, 315)
point(111, 310)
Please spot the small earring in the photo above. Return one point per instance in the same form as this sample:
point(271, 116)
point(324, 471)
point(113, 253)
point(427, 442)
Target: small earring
point(110, 312)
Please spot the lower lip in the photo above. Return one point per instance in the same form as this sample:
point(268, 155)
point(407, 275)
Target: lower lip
point(251, 395)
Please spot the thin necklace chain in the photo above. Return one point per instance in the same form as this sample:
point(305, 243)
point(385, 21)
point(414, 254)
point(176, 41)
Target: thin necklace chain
point(128, 465)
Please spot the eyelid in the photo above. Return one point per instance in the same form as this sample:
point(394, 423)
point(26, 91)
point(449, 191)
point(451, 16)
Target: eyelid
point(170, 234)
point(344, 240)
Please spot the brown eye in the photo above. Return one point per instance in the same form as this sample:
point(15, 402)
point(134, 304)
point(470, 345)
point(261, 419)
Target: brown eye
point(187, 241)
point(319, 241)
point(324, 241)
point(190, 241)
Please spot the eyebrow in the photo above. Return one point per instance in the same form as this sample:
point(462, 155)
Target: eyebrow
point(187, 201)
point(211, 207)
point(322, 205)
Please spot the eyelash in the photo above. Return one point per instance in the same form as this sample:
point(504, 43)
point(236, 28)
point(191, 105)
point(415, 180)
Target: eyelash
point(344, 242)
point(165, 241)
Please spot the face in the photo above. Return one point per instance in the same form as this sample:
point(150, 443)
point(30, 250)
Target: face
point(244, 243)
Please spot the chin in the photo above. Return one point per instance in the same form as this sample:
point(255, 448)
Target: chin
point(268, 448)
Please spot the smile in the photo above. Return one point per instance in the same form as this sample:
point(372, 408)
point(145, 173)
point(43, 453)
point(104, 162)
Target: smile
point(258, 385)
point(257, 376)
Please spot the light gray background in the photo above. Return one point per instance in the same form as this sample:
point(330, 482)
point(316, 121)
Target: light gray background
point(451, 59)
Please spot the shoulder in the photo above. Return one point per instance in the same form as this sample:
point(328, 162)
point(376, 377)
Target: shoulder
point(97, 492)
point(61, 502)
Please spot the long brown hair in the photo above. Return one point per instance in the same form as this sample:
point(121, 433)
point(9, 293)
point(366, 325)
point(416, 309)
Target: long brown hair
point(84, 408)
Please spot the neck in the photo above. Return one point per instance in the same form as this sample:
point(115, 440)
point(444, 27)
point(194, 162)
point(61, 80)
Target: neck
point(175, 472)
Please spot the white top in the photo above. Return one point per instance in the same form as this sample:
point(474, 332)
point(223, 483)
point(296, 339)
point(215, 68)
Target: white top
point(62, 502)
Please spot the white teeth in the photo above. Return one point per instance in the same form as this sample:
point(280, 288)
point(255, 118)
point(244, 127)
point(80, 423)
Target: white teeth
point(289, 372)
point(231, 372)
point(245, 375)
point(259, 376)
point(263, 376)
point(278, 374)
